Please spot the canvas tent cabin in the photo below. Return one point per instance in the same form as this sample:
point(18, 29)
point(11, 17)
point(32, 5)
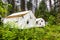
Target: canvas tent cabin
point(22, 19)
point(25, 19)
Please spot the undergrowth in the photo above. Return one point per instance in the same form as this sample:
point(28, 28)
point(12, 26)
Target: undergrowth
point(49, 32)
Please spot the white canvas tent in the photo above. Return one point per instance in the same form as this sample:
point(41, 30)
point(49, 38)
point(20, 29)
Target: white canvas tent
point(25, 19)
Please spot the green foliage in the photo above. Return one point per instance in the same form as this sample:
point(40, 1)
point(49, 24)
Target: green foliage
point(51, 20)
point(4, 8)
point(48, 16)
point(58, 18)
point(9, 9)
point(42, 10)
point(49, 32)
point(29, 5)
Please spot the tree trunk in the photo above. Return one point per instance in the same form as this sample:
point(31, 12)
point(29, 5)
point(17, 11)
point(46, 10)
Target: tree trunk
point(59, 6)
point(55, 5)
point(50, 5)
point(22, 5)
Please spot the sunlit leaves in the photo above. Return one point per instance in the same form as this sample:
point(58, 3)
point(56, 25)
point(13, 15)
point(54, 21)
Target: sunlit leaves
point(4, 8)
point(51, 32)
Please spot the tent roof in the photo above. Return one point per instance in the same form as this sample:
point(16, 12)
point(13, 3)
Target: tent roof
point(19, 14)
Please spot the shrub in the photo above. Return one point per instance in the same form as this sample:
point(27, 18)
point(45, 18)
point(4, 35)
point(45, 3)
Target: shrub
point(51, 32)
point(51, 20)
point(58, 18)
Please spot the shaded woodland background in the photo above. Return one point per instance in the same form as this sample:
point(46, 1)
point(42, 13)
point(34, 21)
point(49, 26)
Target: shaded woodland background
point(50, 13)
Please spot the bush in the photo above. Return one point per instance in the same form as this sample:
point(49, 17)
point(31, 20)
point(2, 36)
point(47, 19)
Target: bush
point(50, 32)
point(51, 20)
point(58, 18)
